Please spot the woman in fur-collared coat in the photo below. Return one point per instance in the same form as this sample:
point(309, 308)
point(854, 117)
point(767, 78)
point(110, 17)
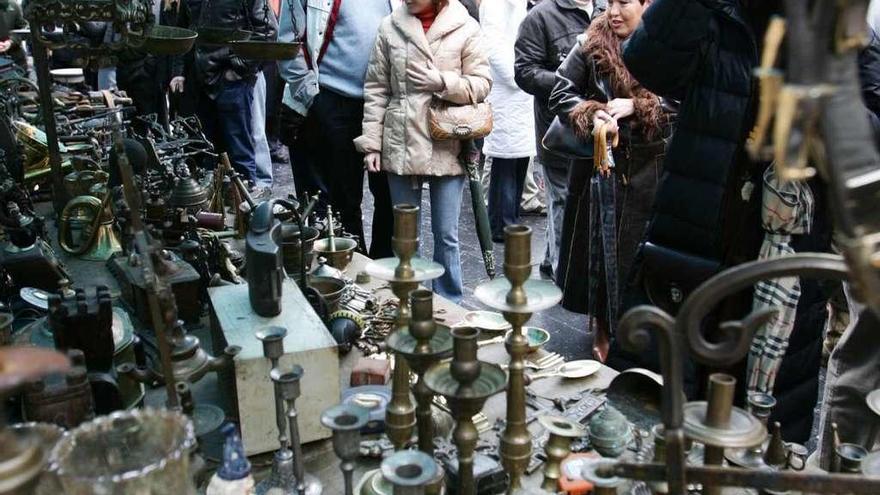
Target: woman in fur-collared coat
point(594, 87)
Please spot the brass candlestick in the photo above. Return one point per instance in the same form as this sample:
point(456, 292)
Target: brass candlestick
point(404, 274)
point(409, 472)
point(718, 425)
point(517, 298)
point(466, 383)
point(562, 432)
point(273, 348)
point(422, 343)
point(346, 422)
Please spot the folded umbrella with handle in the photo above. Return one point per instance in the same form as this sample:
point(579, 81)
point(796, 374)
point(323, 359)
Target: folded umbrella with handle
point(470, 159)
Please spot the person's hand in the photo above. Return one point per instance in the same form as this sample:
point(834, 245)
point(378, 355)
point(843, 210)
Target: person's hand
point(621, 108)
point(373, 162)
point(425, 77)
point(601, 118)
point(5, 45)
point(177, 84)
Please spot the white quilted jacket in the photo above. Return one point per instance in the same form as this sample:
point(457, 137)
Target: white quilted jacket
point(514, 133)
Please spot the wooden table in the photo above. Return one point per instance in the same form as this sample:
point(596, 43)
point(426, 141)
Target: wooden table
point(322, 462)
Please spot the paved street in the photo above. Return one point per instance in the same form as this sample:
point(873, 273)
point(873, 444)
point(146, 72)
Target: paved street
point(568, 330)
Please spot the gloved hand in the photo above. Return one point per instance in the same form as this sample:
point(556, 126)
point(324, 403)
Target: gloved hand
point(425, 77)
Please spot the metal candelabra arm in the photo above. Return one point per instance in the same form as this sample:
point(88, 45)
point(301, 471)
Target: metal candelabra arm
point(736, 337)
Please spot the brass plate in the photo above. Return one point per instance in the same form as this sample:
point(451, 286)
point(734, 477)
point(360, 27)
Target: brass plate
point(744, 430)
point(540, 295)
point(424, 270)
point(169, 40)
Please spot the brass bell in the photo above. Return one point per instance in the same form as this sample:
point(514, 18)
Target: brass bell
point(188, 193)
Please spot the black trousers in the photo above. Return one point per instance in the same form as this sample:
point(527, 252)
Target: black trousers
point(324, 160)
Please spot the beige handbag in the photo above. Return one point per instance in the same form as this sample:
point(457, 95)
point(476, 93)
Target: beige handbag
point(459, 122)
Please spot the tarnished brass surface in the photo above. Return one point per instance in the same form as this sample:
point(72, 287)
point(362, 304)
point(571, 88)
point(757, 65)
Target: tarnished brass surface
point(422, 344)
point(466, 383)
point(562, 432)
point(517, 297)
point(409, 472)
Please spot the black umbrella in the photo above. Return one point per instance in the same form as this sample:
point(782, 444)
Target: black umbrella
point(470, 159)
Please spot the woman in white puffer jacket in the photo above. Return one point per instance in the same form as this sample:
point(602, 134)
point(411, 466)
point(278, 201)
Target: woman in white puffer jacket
point(511, 145)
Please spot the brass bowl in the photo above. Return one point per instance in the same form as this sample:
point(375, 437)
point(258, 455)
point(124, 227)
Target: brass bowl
point(331, 289)
point(341, 257)
point(169, 40)
point(265, 50)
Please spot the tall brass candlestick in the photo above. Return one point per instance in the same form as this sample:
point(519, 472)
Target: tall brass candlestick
point(405, 273)
point(516, 441)
point(517, 298)
point(400, 418)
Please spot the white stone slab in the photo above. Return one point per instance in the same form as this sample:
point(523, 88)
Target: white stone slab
point(308, 344)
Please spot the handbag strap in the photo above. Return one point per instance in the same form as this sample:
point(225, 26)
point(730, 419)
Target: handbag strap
point(601, 162)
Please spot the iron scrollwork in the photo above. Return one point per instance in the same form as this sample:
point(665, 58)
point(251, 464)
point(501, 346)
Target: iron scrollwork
point(129, 18)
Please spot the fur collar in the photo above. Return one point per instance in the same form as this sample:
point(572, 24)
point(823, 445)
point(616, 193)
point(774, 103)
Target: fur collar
point(603, 47)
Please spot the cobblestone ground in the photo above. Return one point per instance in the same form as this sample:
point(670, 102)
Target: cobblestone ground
point(568, 330)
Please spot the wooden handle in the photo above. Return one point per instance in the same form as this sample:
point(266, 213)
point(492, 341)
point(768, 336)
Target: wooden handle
point(600, 147)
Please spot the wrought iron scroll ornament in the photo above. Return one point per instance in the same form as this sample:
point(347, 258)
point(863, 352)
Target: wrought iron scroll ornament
point(130, 19)
point(642, 323)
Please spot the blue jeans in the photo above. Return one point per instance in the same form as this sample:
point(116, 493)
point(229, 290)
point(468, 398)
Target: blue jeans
point(505, 190)
point(227, 122)
point(446, 194)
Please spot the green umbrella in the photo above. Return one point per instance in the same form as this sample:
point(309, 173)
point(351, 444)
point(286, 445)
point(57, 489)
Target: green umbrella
point(470, 159)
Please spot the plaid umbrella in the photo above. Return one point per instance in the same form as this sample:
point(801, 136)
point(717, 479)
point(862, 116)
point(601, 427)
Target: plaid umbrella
point(787, 210)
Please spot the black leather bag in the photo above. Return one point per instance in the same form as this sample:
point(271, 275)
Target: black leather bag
point(669, 276)
point(561, 140)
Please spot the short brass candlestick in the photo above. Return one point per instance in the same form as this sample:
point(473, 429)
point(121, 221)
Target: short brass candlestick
point(405, 273)
point(466, 383)
point(517, 298)
point(601, 477)
point(422, 343)
point(562, 432)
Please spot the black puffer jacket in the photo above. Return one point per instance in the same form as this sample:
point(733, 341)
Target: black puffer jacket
point(546, 36)
point(215, 63)
point(702, 53)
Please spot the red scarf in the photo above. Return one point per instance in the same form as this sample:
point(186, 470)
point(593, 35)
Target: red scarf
point(427, 17)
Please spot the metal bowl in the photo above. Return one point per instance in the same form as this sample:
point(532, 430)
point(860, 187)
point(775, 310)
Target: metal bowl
point(341, 257)
point(265, 50)
point(330, 288)
point(169, 40)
